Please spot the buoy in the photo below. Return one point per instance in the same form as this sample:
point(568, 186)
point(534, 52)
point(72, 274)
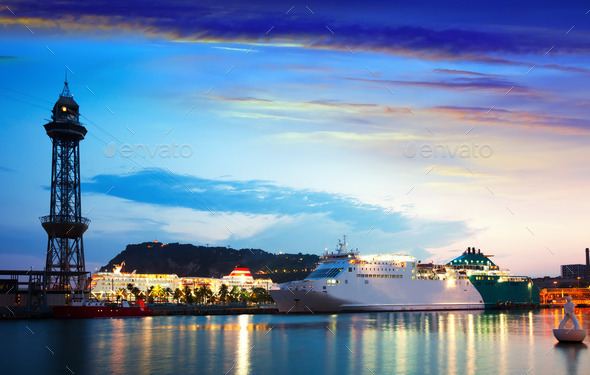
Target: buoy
point(569, 335)
point(574, 334)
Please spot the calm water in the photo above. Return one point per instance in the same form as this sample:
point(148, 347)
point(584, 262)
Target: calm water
point(513, 342)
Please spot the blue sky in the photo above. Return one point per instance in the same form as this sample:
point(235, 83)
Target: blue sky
point(410, 127)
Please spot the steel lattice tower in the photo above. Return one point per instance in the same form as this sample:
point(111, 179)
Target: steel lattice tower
point(64, 224)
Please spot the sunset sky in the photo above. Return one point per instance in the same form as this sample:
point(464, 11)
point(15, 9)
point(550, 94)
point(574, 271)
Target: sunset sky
point(409, 127)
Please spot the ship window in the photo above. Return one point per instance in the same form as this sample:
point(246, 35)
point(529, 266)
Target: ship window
point(366, 281)
point(349, 269)
point(324, 272)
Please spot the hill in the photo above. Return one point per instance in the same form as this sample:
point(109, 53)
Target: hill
point(209, 261)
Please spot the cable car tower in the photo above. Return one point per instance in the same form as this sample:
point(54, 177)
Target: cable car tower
point(65, 225)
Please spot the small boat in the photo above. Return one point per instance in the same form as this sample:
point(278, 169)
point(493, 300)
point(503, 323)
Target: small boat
point(80, 308)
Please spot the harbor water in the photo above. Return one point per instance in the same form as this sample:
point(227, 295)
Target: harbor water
point(476, 342)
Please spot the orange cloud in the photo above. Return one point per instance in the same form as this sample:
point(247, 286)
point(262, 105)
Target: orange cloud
point(498, 116)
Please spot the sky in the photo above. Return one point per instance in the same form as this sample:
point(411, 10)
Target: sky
point(421, 128)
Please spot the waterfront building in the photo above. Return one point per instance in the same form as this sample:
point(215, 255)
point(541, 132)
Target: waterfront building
point(242, 278)
point(573, 271)
point(197, 282)
point(556, 296)
point(109, 285)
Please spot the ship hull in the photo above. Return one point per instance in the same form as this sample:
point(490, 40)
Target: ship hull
point(318, 302)
point(496, 293)
point(72, 312)
point(385, 294)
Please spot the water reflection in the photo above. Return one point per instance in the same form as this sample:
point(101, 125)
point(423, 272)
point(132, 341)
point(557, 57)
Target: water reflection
point(570, 354)
point(470, 350)
point(411, 343)
point(244, 349)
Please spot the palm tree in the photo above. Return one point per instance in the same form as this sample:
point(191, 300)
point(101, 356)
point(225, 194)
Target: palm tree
point(208, 294)
point(260, 295)
point(120, 293)
point(234, 295)
point(168, 292)
point(177, 295)
point(158, 292)
point(198, 295)
point(188, 295)
point(136, 292)
point(204, 294)
point(223, 292)
point(244, 295)
point(150, 294)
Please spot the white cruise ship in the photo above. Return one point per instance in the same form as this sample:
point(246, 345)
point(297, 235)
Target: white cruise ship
point(345, 281)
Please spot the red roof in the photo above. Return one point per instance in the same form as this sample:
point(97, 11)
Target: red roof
point(240, 272)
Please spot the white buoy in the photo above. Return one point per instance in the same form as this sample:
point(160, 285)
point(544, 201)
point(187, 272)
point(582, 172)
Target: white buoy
point(569, 335)
point(574, 334)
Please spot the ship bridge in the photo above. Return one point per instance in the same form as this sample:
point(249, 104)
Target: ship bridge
point(472, 258)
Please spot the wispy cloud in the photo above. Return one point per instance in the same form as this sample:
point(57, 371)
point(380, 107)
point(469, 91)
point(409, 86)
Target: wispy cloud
point(460, 72)
point(248, 23)
point(248, 50)
point(196, 209)
point(241, 99)
point(368, 139)
point(357, 107)
point(247, 197)
point(505, 117)
point(457, 84)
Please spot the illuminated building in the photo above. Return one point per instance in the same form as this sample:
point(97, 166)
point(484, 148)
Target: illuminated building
point(109, 284)
point(242, 278)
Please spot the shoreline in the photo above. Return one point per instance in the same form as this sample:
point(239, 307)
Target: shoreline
point(177, 310)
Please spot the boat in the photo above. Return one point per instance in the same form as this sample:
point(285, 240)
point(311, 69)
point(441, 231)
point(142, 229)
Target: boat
point(80, 308)
point(346, 281)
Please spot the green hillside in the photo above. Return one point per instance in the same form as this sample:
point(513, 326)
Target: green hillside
point(209, 261)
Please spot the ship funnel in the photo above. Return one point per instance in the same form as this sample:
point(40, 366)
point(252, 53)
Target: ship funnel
point(587, 264)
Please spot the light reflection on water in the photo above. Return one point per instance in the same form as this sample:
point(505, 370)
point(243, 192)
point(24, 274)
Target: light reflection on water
point(381, 343)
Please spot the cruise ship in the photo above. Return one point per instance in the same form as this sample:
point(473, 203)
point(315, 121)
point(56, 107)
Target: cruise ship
point(346, 281)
